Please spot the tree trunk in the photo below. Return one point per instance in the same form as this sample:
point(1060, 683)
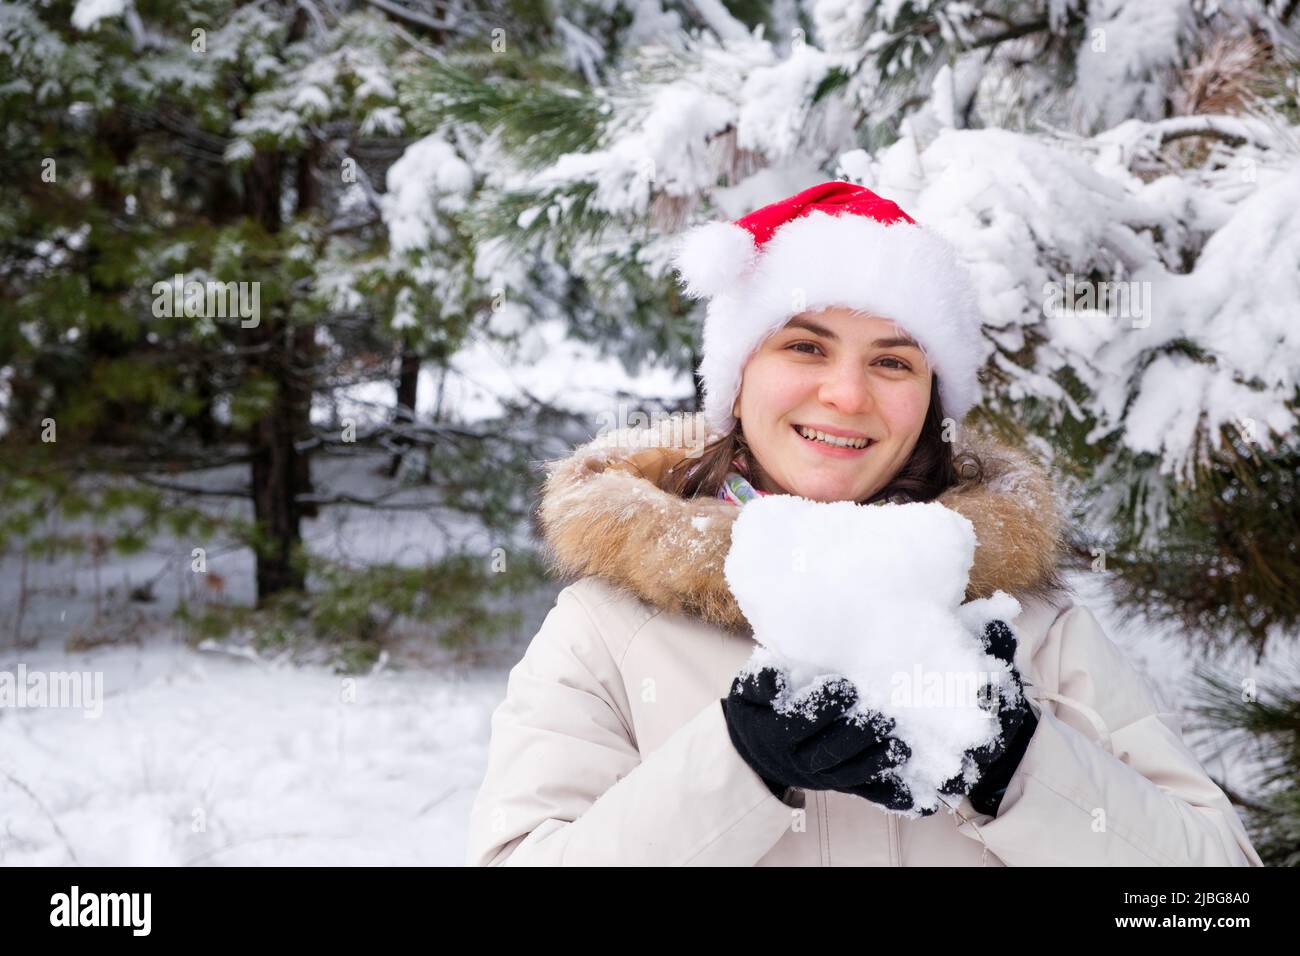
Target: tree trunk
point(277, 471)
point(279, 522)
point(408, 381)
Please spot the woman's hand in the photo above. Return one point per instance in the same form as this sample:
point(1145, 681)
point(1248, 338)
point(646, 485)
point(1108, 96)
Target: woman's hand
point(816, 747)
point(997, 762)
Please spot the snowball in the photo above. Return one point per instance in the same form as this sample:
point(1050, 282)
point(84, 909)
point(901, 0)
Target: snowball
point(874, 593)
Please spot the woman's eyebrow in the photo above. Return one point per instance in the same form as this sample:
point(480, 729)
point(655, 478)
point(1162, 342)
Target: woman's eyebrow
point(814, 328)
point(895, 343)
point(890, 343)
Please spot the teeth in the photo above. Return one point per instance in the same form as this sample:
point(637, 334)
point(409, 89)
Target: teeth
point(815, 435)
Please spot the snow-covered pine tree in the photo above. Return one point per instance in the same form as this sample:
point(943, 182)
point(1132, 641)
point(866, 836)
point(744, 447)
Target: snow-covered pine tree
point(249, 145)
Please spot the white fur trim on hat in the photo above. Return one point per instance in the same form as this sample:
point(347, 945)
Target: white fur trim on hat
point(899, 271)
point(712, 258)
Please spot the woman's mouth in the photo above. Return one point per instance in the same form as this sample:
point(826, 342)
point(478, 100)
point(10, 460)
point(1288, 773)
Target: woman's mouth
point(832, 445)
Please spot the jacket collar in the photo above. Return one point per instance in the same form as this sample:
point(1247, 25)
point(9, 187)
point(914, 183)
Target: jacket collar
point(603, 513)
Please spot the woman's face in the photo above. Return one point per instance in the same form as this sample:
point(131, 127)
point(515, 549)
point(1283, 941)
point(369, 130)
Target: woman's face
point(849, 375)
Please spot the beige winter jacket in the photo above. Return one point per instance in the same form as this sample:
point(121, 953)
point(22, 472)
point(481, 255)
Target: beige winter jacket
point(611, 746)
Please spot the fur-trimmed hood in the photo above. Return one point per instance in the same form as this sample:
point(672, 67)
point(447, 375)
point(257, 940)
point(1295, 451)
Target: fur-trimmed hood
point(603, 513)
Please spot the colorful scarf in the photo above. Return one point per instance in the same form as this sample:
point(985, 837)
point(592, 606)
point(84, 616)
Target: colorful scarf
point(736, 489)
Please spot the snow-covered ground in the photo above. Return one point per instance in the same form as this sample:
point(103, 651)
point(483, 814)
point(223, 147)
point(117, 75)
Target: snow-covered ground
point(203, 759)
point(212, 755)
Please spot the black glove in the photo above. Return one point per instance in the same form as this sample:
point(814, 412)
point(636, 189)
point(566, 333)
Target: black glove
point(818, 748)
point(997, 762)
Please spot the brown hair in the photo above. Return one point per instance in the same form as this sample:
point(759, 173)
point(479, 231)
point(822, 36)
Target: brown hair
point(932, 468)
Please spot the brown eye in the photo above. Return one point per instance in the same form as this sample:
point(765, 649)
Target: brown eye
point(810, 344)
point(900, 365)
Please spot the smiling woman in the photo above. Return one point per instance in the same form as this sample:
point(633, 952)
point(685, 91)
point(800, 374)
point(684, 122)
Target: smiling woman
point(841, 346)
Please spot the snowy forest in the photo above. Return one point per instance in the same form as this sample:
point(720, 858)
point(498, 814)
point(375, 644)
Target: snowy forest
point(296, 297)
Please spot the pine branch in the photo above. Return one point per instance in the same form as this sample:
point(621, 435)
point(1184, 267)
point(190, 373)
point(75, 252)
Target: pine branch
point(560, 216)
point(1013, 32)
point(243, 492)
point(413, 17)
point(537, 121)
point(379, 502)
point(714, 15)
point(1243, 801)
point(1233, 130)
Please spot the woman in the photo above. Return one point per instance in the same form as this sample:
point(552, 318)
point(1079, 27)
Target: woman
point(841, 345)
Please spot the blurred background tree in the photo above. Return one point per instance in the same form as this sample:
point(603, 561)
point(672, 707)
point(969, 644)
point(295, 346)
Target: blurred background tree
point(240, 144)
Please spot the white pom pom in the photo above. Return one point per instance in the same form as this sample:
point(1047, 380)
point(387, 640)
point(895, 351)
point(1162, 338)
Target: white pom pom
point(710, 258)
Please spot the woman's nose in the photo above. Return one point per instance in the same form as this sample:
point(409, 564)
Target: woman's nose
point(847, 388)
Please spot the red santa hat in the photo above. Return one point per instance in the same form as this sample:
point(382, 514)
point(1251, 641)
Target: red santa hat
point(835, 244)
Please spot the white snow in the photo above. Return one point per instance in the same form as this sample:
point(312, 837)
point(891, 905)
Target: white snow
point(775, 102)
point(87, 13)
point(203, 759)
point(874, 593)
point(549, 365)
point(428, 180)
point(1129, 47)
